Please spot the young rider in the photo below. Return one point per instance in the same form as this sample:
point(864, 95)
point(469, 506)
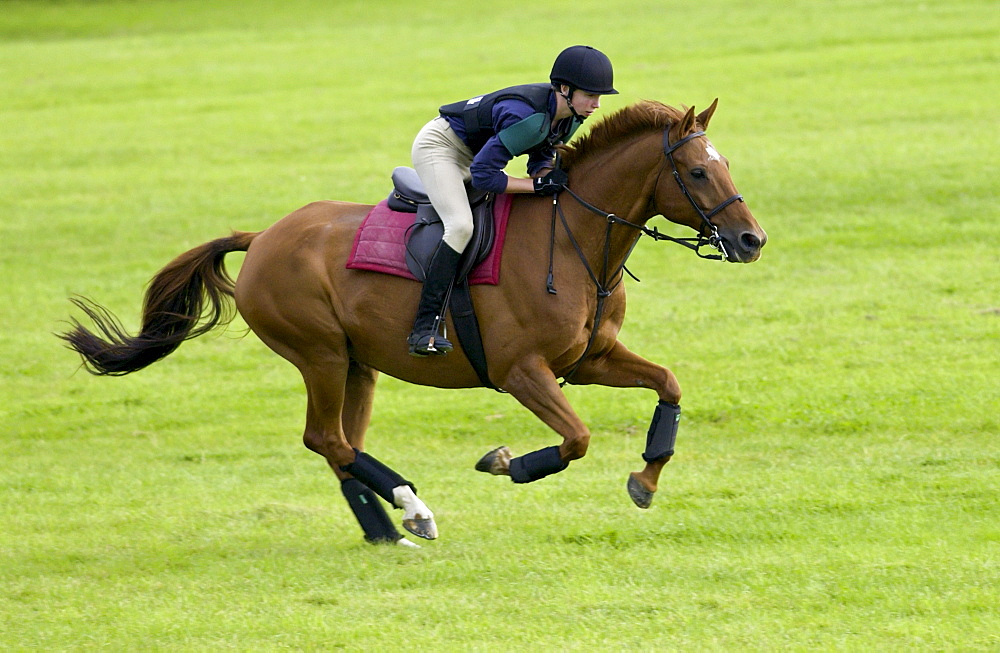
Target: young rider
point(473, 140)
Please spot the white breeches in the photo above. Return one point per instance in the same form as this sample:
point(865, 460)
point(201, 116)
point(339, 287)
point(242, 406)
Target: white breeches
point(442, 162)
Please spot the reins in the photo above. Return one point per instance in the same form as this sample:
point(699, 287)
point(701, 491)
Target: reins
point(603, 289)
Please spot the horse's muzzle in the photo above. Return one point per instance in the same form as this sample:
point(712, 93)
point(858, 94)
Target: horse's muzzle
point(744, 247)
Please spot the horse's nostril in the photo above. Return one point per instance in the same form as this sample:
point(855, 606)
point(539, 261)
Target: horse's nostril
point(750, 241)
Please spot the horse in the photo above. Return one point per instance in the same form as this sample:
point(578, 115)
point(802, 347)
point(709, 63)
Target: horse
point(343, 327)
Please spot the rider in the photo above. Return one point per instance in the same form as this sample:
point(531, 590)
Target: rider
point(473, 140)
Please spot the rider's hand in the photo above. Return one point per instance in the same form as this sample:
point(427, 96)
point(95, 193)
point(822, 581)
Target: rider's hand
point(551, 183)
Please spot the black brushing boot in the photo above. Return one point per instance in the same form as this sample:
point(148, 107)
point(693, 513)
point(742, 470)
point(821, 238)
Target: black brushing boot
point(371, 515)
point(425, 340)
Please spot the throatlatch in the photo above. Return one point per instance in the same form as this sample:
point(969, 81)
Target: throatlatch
point(369, 511)
point(537, 464)
point(662, 432)
point(378, 477)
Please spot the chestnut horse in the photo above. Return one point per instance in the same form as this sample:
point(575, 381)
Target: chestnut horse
point(341, 327)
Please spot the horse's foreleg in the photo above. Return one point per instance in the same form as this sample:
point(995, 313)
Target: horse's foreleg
point(623, 369)
point(535, 386)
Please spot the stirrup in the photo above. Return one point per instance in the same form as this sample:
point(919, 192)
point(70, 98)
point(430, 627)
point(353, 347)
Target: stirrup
point(428, 344)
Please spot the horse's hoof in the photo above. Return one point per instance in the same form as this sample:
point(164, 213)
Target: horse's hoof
point(640, 495)
point(406, 544)
point(496, 462)
point(425, 528)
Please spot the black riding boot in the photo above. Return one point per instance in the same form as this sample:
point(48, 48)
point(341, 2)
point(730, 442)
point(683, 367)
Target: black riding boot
point(425, 341)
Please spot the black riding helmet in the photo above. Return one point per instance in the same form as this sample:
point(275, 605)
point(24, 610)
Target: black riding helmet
point(585, 68)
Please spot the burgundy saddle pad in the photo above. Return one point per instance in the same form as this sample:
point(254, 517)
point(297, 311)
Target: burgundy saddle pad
point(379, 244)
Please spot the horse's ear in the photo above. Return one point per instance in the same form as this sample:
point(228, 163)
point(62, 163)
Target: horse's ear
point(686, 124)
point(706, 115)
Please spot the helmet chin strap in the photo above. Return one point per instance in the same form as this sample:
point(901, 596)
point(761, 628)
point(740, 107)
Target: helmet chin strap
point(569, 103)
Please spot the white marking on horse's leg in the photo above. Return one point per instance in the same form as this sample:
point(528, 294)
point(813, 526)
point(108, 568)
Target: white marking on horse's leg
point(413, 508)
point(417, 517)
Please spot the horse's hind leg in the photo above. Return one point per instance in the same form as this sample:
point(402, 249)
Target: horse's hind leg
point(359, 393)
point(340, 404)
point(356, 415)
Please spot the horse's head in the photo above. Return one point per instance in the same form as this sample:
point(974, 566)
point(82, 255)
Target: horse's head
point(701, 193)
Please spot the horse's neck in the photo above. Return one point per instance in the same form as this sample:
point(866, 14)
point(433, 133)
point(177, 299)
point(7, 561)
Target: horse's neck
point(620, 182)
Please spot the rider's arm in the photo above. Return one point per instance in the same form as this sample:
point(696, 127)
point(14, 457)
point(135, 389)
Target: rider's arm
point(488, 165)
point(518, 185)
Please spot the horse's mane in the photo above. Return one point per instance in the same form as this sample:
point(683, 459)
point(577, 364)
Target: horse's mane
point(643, 116)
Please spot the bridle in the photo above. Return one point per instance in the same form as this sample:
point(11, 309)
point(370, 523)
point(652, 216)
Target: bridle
point(713, 239)
point(606, 284)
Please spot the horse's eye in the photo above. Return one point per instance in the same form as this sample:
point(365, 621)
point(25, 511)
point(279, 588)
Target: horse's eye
point(698, 173)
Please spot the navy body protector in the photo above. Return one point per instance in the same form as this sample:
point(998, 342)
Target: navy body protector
point(523, 137)
point(422, 239)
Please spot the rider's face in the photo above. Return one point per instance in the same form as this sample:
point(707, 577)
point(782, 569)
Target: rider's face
point(585, 103)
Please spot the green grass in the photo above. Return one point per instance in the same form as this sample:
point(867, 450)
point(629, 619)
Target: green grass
point(836, 480)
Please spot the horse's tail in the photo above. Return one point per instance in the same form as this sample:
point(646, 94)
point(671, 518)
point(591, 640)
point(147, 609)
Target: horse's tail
point(175, 303)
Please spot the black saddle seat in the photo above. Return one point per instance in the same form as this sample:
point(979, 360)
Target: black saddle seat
point(407, 191)
point(408, 196)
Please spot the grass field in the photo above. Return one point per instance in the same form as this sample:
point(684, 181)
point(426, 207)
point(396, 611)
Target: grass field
point(837, 481)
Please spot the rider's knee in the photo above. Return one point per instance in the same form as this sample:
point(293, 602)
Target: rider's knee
point(458, 234)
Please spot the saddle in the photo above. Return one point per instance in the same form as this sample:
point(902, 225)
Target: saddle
point(408, 196)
